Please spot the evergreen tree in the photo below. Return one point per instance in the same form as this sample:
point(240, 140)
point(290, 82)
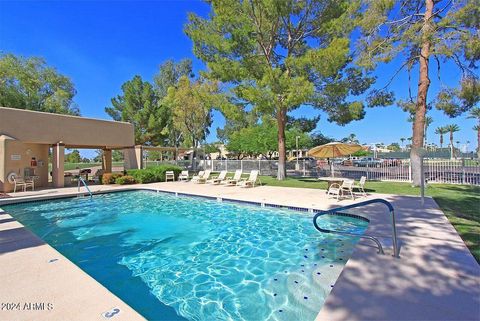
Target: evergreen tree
point(139, 106)
point(278, 55)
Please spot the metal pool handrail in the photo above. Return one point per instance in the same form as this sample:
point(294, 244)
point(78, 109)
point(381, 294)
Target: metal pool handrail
point(80, 179)
point(374, 239)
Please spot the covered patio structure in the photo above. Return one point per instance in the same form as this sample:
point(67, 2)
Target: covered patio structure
point(26, 138)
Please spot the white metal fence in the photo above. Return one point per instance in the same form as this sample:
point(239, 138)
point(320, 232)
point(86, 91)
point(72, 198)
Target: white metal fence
point(464, 171)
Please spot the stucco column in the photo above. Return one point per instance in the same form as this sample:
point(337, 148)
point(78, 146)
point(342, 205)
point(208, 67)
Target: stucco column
point(107, 160)
point(132, 157)
point(139, 156)
point(58, 160)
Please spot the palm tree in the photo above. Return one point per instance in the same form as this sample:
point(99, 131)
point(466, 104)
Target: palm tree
point(477, 128)
point(452, 129)
point(402, 140)
point(475, 113)
point(441, 131)
point(409, 145)
point(351, 139)
point(428, 122)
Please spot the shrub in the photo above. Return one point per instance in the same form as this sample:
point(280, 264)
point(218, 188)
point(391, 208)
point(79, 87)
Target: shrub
point(153, 174)
point(110, 178)
point(142, 176)
point(161, 169)
point(124, 180)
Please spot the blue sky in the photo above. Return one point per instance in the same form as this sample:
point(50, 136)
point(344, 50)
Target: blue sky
point(100, 45)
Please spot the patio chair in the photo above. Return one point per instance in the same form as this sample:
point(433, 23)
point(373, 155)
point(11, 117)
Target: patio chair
point(20, 182)
point(235, 179)
point(250, 181)
point(196, 177)
point(202, 179)
point(341, 190)
point(218, 179)
point(361, 185)
point(183, 176)
point(169, 175)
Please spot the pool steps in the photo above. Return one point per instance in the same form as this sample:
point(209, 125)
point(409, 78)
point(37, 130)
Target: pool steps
point(339, 210)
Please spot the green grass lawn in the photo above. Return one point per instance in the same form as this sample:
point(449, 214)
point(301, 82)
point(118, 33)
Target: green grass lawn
point(72, 166)
point(460, 203)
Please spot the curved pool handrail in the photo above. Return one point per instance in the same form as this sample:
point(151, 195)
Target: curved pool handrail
point(374, 239)
point(80, 179)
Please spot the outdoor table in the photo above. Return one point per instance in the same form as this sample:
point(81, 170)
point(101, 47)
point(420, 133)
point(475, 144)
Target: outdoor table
point(332, 180)
point(34, 179)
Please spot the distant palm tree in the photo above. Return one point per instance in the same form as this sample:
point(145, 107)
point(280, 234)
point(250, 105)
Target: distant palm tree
point(441, 131)
point(428, 122)
point(351, 139)
point(402, 140)
point(409, 145)
point(477, 128)
point(475, 113)
point(452, 129)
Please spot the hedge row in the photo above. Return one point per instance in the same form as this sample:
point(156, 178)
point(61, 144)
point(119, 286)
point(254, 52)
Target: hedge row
point(153, 174)
point(143, 176)
point(124, 180)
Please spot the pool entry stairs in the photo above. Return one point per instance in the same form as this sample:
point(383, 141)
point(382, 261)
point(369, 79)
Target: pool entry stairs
point(341, 211)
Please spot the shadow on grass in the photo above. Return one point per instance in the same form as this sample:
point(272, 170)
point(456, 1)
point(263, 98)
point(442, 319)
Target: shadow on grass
point(467, 207)
point(460, 188)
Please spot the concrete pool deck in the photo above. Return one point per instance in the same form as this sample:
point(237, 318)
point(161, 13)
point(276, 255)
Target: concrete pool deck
point(435, 278)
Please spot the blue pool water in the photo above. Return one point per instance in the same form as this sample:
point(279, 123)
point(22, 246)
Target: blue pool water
point(186, 258)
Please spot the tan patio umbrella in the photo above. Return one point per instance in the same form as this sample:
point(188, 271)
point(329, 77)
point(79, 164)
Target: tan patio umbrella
point(334, 149)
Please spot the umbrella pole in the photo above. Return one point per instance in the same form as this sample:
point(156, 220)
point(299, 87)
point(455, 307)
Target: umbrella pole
point(331, 162)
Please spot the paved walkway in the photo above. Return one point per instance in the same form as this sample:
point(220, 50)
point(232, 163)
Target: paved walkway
point(38, 283)
point(435, 278)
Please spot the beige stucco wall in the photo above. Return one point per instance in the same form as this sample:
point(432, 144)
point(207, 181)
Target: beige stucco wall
point(45, 128)
point(30, 134)
point(25, 152)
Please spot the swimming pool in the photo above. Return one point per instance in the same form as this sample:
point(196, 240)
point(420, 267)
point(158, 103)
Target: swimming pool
point(188, 258)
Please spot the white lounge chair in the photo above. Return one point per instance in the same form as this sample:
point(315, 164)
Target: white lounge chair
point(250, 181)
point(235, 179)
point(183, 176)
point(202, 179)
point(20, 182)
point(361, 185)
point(196, 177)
point(169, 175)
point(341, 190)
point(218, 179)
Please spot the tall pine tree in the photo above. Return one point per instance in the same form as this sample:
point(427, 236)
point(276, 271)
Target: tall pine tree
point(279, 55)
